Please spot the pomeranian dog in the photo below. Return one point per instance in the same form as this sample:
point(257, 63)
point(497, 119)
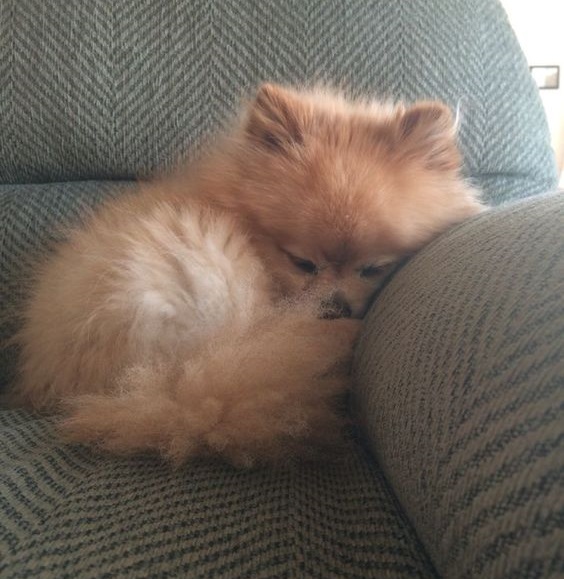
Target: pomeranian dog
point(214, 312)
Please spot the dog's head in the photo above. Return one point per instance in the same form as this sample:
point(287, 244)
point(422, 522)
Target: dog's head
point(335, 192)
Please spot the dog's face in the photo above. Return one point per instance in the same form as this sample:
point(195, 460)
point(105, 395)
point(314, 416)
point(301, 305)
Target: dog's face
point(336, 192)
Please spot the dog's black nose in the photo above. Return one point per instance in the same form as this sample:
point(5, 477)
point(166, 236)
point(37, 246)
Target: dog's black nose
point(336, 307)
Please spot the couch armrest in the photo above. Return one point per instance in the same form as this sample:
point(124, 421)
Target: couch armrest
point(461, 392)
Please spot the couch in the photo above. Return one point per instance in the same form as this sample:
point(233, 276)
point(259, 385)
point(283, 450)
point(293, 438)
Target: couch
point(457, 470)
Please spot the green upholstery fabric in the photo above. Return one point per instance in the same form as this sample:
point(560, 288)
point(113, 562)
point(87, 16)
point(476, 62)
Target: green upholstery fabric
point(104, 89)
point(68, 513)
point(461, 388)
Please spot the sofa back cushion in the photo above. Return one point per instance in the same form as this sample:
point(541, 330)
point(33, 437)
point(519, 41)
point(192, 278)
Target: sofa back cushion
point(104, 89)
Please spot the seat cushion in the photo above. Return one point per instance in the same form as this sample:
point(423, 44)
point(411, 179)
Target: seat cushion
point(105, 89)
point(461, 389)
point(68, 512)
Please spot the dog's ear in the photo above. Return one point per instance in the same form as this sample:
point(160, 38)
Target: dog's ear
point(275, 118)
point(427, 130)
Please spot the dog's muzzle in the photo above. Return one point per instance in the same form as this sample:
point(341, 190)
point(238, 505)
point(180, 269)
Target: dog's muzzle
point(336, 306)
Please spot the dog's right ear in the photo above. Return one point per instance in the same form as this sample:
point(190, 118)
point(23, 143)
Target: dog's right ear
point(275, 119)
point(427, 130)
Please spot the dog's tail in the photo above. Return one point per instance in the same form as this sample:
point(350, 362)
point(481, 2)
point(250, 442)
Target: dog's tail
point(268, 394)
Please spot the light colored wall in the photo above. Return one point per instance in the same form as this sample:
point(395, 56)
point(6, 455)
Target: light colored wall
point(539, 26)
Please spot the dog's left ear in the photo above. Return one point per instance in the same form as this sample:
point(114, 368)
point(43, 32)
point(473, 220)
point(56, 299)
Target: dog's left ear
point(274, 118)
point(427, 130)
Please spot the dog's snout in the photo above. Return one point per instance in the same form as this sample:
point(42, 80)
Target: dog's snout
point(336, 307)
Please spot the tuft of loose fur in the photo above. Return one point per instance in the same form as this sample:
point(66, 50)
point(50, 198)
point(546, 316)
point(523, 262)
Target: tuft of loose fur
point(194, 316)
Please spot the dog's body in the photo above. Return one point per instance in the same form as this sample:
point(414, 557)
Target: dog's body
point(187, 317)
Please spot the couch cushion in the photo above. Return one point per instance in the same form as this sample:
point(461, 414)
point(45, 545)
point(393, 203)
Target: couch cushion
point(66, 512)
point(105, 89)
point(461, 389)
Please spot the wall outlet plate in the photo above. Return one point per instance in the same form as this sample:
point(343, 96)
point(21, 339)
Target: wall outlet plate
point(546, 77)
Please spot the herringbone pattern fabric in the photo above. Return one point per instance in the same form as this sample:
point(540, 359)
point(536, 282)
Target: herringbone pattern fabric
point(67, 513)
point(105, 89)
point(461, 387)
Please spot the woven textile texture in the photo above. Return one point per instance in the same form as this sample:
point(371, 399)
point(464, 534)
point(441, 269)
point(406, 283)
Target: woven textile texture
point(461, 388)
point(68, 513)
point(104, 89)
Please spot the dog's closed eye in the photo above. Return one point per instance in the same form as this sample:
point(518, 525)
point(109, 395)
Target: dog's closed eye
point(369, 271)
point(305, 265)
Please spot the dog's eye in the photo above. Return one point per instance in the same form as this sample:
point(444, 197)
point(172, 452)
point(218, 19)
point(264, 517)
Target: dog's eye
point(304, 265)
point(371, 270)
